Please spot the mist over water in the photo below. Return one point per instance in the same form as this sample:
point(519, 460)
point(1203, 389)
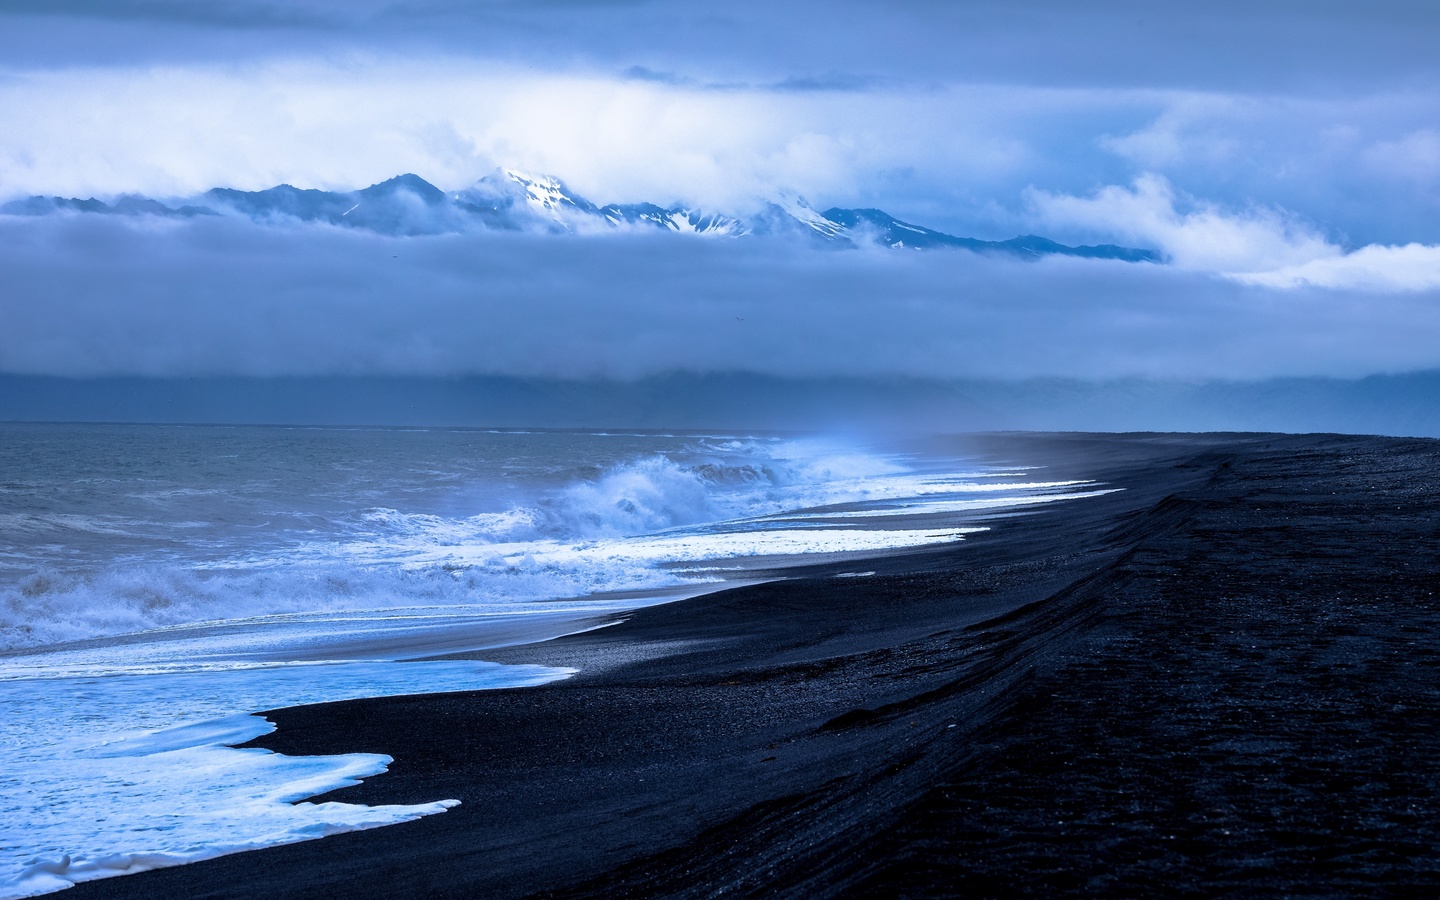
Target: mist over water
point(306, 324)
point(112, 298)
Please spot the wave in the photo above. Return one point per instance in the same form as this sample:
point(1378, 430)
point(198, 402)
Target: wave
point(652, 521)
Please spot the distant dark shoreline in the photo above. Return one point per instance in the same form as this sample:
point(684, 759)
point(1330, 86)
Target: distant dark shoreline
point(1405, 404)
point(1225, 677)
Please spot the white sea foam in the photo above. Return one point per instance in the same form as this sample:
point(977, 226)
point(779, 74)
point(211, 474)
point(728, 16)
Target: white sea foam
point(107, 776)
point(941, 507)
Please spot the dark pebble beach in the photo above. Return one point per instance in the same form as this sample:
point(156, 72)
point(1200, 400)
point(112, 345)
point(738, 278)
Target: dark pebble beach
point(1222, 679)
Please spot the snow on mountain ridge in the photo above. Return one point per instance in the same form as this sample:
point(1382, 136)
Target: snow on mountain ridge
point(514, 200)
point(548, 194)
point(797, 208)
point(693, 221)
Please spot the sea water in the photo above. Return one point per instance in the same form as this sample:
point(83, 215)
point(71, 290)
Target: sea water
point(161, 584)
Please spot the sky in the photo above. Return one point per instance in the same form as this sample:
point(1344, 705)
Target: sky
point(1283, 156)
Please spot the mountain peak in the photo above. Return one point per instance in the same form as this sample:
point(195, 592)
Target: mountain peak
point(799, 209)
point(516, 200)
point(530, 178)
point(413, 184)
point(545, 198)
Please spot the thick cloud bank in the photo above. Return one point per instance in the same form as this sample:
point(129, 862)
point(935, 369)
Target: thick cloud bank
point(1355, 168)
point(92, 296)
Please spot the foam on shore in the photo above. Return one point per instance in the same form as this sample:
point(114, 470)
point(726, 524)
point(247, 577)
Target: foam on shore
point(134, 772)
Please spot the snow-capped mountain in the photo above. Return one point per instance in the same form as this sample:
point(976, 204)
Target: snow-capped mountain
point(791, 212)
point(679, 219)
point(510, 200)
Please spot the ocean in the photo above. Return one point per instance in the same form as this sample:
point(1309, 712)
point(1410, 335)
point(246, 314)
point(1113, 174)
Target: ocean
point(160, 585)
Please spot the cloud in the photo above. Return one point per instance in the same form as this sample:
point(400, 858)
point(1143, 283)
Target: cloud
point(1362, 165)
point(1202, 238)
point(953, 157)
point(642, 73)
point(215, 13)
point(1256, 142)
point(90, 296)
point(344, 124)
point(1258, 246)
point(941, 114)
point(1192, 128)
point(1413, 267)
point(1261, 45)
point(1414, 157)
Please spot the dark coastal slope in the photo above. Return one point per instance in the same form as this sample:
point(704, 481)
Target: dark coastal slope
point(1224, 678)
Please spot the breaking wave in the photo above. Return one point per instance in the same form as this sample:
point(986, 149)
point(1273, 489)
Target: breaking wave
point(648, 521)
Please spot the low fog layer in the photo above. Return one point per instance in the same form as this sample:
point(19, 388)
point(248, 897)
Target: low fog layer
point(90, 296)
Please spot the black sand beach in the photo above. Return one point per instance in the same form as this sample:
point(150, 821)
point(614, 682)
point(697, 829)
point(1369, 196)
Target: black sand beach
point(1225, 678)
